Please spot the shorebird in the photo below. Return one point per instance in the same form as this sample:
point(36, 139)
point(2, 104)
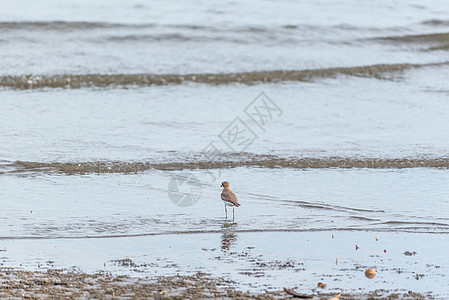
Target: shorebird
point(228, 198)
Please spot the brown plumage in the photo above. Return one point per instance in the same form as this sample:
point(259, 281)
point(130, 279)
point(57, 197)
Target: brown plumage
point(229, 198)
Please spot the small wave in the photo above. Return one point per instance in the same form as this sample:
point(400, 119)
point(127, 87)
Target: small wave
point(382, 71)
point(155, 37)
point(363, 218)
point(82, 25)
point(418, 229)
point(230, 161)
point(134, 37)
point(436, 22)
point(419, 38)
point(172, 37)
point(403, 223)
point(324, 206)
point(424, 42)
point(444, 47)
point(66, 26)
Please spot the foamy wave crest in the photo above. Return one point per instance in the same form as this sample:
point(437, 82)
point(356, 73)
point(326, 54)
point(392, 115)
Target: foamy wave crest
point(227, 161)
point(382, 71)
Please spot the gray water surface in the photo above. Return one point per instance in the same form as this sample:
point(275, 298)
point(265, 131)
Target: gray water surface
point(107, 107)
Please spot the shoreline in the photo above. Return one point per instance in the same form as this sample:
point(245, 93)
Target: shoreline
point(245, 262)
point(69, 284)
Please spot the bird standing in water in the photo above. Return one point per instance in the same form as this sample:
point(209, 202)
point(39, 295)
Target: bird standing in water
point(229, 198)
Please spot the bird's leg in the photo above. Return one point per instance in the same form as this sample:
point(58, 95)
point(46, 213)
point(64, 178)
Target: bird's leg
point(232, 213)
point(226, 211)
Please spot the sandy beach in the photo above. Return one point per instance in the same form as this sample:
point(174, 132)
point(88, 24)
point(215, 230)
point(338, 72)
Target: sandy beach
point(120, 121)
point(63, 284)
point(234, 263)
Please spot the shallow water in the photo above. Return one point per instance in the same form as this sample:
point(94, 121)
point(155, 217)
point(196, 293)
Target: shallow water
point(345, 117)
point(109, 113)
point(199, 36)
point(256, 261)
point(108, 205)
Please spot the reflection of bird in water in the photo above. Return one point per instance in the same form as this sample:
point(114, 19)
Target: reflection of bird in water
point(229, 198)
point(229, 237)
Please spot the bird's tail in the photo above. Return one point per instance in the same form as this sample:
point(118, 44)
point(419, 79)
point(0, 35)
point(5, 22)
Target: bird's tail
point(238, 204)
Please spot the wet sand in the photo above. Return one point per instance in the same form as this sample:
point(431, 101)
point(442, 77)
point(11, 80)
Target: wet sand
point(63, 284)
point(341, 165)
point(237, 265)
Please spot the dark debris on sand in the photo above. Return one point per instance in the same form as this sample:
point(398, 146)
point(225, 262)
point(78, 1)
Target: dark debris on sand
point(63, 284)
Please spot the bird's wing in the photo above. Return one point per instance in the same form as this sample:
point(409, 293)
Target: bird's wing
point(229, 196)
